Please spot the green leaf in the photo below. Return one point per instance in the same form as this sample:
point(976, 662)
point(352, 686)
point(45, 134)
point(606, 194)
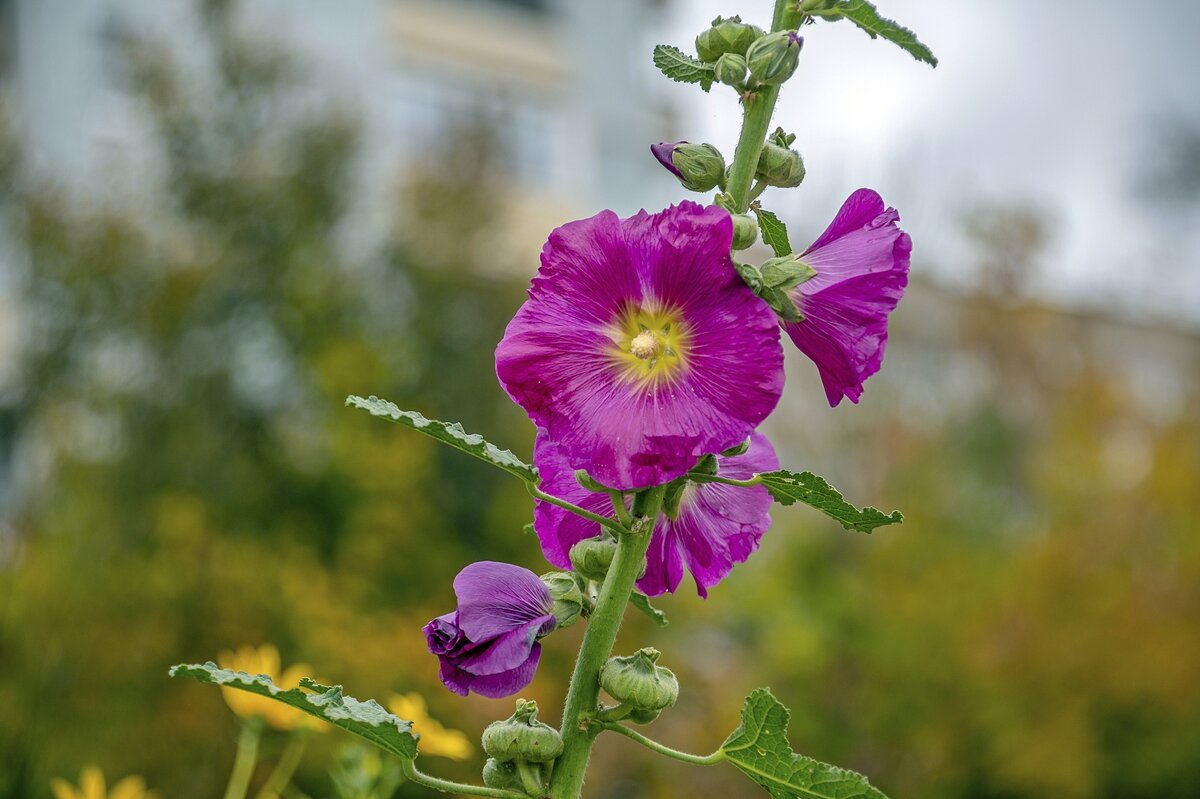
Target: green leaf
point(642, 603)
point(451, 434)
point(788, 487)
point(866, 16)
point(774, 232)
point(760, 749)
point(365, 719)
point(678, 65)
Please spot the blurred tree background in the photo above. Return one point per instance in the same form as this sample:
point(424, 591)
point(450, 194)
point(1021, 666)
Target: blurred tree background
point(180, 477)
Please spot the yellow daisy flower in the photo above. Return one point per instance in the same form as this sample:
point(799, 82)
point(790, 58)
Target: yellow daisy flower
point(91, 786)
point(436, 740)
point(265, 660)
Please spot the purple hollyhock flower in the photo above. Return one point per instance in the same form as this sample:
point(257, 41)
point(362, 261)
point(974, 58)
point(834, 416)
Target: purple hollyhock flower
point(717, 525)
point(640, 350)
point(861, 261)
point(489, 645)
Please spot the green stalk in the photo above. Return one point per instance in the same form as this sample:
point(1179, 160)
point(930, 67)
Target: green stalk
point(663, 749)
point(583, 695)
point(246, 758)
point(288, 761)
point(756, 119)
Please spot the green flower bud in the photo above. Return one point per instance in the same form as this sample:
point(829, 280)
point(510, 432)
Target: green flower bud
point(779, 166)
point(522, 737)
point(726, 36)
point(731, 69)
point(502, 775)
point(591, 557)
point(745, 231)
point(773, 58)
point(568, 599)
point(639, 716)
point(700, 167)
point(637, 682)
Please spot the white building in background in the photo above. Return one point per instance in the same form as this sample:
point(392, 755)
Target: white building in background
point(567, 84)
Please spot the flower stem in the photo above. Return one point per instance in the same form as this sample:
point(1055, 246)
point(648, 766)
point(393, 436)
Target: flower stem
point(756, 119)
point(662, 749)
point(578, 511)
point(447, 786)
point(288, 761)
point(584, 692)
point(246, 758)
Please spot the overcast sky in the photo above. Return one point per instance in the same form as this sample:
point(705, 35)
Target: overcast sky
point(1052, 104)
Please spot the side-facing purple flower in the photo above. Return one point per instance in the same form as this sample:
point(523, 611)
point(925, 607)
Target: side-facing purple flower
point(861, 261)
point(639, 349)
point(489, 644)
point(716, 526)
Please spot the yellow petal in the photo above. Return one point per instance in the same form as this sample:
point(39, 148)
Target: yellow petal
point(91, 782)
point(268, 656)
point(63, 789)
point(132, 787)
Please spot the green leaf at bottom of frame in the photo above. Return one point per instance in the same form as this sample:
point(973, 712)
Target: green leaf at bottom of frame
point(759, 748)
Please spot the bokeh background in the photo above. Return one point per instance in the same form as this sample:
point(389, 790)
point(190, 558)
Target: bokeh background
point(221, 217)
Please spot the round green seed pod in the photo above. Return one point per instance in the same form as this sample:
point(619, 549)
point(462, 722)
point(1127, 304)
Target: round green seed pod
point(726, 36)
point(501, 775)
point(591, 557)
point(637, 681)
point(522, 737)
point(745, 231)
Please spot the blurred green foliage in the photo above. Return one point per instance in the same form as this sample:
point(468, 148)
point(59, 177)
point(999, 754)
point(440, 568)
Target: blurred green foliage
point(183, 479)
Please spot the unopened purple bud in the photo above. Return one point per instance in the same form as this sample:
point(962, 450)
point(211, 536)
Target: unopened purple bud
point(700, 167)
point(662, 151)
point(796, 39)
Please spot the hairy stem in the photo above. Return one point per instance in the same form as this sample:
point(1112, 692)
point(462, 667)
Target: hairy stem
point(584, 692)
point(756, 119)
point(447, 786)
point(246, 758)
point(662, 749)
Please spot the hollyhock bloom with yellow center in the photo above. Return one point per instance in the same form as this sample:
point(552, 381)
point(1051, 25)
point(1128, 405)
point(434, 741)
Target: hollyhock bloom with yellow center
point(265, 660)
point(861, 261)
point(436, 740)
point(91, 786)
point(640, 350)
point(713, 527)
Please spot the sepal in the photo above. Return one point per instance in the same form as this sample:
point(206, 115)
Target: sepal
point(639, 682)
point(726, 36)
point(522, 737)
point(567, 596)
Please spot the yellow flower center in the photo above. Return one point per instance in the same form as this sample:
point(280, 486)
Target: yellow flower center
point(650, 343)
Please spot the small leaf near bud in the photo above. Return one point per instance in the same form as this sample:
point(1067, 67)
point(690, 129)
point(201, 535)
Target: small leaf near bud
point(592, 557)
point(726, 36)
point(785, 273)
point(522, 737)
point(730, 69)
point(750, 276)
point(745, 231)
point(733, 452)
point(637, 681)
point(780, 166)
point(773, 58)
point(567, 596)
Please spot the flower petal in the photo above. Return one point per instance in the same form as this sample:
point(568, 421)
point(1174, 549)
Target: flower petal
point(557, 529)
point(862, 262)
point(557, 356)
point(494, 598)
point(506, 651)
point(717, 526)
point(498, 686)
